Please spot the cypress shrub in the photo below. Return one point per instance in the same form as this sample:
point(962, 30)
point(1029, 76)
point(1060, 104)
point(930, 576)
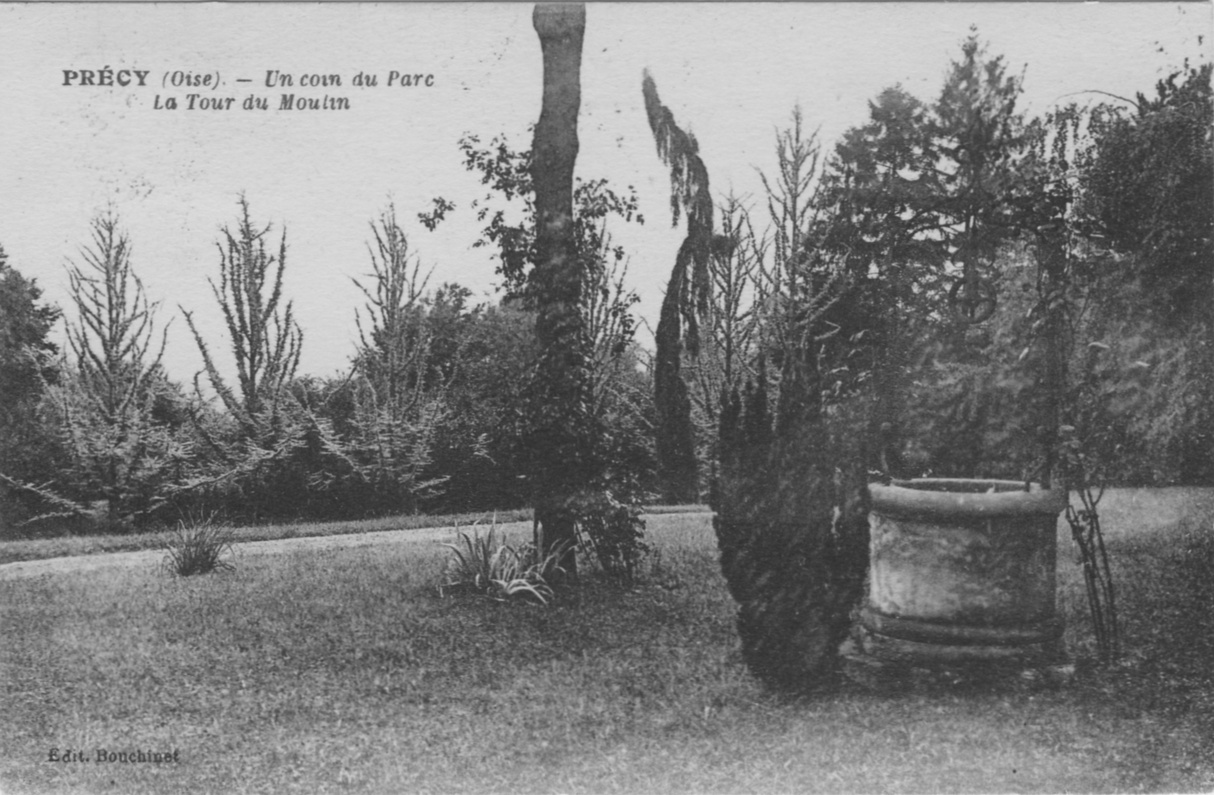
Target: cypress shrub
point(791, 505)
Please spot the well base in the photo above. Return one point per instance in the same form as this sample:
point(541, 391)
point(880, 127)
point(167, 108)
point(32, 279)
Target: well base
point(881, 665)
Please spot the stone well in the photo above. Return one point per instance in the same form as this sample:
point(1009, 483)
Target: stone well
point(962, 577)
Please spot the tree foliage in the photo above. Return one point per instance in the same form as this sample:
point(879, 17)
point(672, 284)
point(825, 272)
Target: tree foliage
point(264, 338)
point(256, 451)
point(607, 460)
point(394, 344)
point(688, 295)
point(758, 273)
point(1147, 189)
point(118, 451)
point(382, 457)
point(978, 405)
point(918, 203)
point(791, 498)
point(734, 336)
point(508, 213)
point(28, 363)
point(1144, 203)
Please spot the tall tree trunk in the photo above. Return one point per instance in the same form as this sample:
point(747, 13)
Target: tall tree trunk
point(560, 426)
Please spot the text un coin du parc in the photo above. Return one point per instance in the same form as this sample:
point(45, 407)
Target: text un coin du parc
point(207, 84)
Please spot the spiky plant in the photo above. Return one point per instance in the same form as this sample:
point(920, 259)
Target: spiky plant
point(199, 546)
point(491, 566)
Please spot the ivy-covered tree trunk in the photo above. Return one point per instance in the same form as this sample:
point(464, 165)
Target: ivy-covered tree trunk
point(560, 437)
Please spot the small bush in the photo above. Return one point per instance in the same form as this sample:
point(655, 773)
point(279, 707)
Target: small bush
point(198, 547)
point(490, 566)
point(610, 530)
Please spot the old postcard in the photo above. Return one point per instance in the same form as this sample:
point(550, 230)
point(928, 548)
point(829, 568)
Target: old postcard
point(434, 397)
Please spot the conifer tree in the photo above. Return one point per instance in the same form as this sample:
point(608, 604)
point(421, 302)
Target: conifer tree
point(687, 296)
point(265, 340)
point(118, 452)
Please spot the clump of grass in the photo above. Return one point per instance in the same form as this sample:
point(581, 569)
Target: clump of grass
point(491, 566)
point(198, 547)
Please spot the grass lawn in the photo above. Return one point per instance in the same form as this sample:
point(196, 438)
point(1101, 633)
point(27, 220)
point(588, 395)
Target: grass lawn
point(57, 546)
point(343, 670)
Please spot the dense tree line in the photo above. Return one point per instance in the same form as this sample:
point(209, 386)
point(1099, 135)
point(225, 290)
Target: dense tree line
point(430, 416)
point(923, 228)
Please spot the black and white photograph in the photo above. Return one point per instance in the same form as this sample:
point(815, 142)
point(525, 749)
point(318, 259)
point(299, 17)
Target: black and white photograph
point(806, 397)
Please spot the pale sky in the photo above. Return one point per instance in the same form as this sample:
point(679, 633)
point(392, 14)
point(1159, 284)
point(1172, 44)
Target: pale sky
point(731, 73)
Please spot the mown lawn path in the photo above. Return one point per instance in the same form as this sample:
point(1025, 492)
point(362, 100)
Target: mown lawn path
point(154, 557)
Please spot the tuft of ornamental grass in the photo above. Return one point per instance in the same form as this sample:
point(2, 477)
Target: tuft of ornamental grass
point(198, 547)
point(491, 566)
